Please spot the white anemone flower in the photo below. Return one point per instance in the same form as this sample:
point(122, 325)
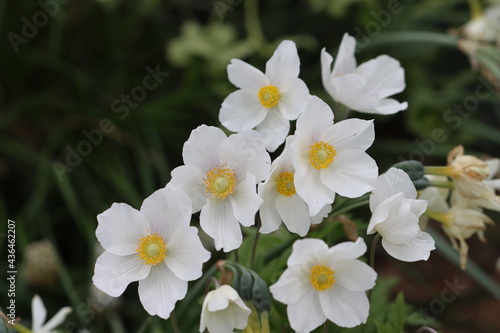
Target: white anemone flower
point(330, 158)
point(266, 102)
point(281, 201)
point(363, 88)
point(155, 246)
point(395, 216)
point(220, 176)
point(323, 283)
point(223, 311)
point(39, 313)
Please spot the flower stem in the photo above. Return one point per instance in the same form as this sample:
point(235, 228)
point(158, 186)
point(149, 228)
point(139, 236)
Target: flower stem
point(443, 183)
point(253, 26)
point(207, 285)
point(441, 171)
point(350, 207)
point(325, 327)
point(475, 9)
point(254, 246)
point(372, 250)
point(173, 321)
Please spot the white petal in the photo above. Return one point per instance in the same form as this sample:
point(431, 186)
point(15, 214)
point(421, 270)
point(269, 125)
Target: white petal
point(120, 227)
point(242, 110)
point(347, 250)
point(385, 106)
point(167, 209)
point(306, 314)
point(245, 201)
point(38, 312)
point(345, 62)
point(352, 91)
point(351, 174)
point(273, 130)
point(291, 285)
point(314, 121)
point(218, 221)
point(243, 75)
point(419, 249)
point(294, 95)
point(190, 179)
point(245, 153)
point(114, 273)
point(201, 150)
point(390, 183)
point(350, 133)
point(284, 63)
point(326, 70)
point(305, 249)
point(269, 216)
point(57, 319)
point(186, 254)
point(160, 290)
point(384, 74)
point(295, 214)
point(315, 193)
point(354, 275)
point(323, 213)
point(344, 307)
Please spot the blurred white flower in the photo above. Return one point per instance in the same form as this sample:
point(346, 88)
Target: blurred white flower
point(395, 216)
point(281, 201)
point(363, 88)
point(220, 176)
point(39, 314)
point(155, 246)
point(323, 283)
point(330, 158)
point(266, 102)
point(223, 311)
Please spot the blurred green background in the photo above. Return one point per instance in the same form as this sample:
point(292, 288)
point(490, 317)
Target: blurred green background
point(98, 96)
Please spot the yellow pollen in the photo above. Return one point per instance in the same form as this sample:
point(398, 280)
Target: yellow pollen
point(152, 249)
point(321, 155)
point(269, 96)
point(220, 182)
point(321, 277)
point(285, 184)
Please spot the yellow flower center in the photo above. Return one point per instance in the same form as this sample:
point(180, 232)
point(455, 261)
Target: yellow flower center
point(321, 155)
point(269, 96)
point(220, 182)
point(285, 184)
point(152, 249)
point(321, 277)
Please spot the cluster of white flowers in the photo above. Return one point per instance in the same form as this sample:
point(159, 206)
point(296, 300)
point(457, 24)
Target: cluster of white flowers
point(229, 179)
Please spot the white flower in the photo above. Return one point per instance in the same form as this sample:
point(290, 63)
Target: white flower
point(155, 246)
point(223, 310)
point(395, 216)
point(323, 283)
point(330, 158)
point(364, 88)
point(281, 201)
point(220, 176)
point(267, 101)
point(39, 313)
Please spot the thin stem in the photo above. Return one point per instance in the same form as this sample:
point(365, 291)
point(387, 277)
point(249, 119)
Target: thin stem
point(475, 9)
point(443, 183)
point(253, 26)
point(373, 248)
point(207, 285)
point(325, 327)
point(350, 207)
point(173, 321)
point(437, 216)
point(425, 329)
point(442, 171)
point(254, 246)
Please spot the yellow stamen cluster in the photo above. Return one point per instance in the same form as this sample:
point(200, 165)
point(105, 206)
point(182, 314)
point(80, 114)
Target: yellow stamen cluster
point(285, 184)
point(269, 96)
point(321, 277)
point(152, 249)
point(321, 155)
point(220, 182)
